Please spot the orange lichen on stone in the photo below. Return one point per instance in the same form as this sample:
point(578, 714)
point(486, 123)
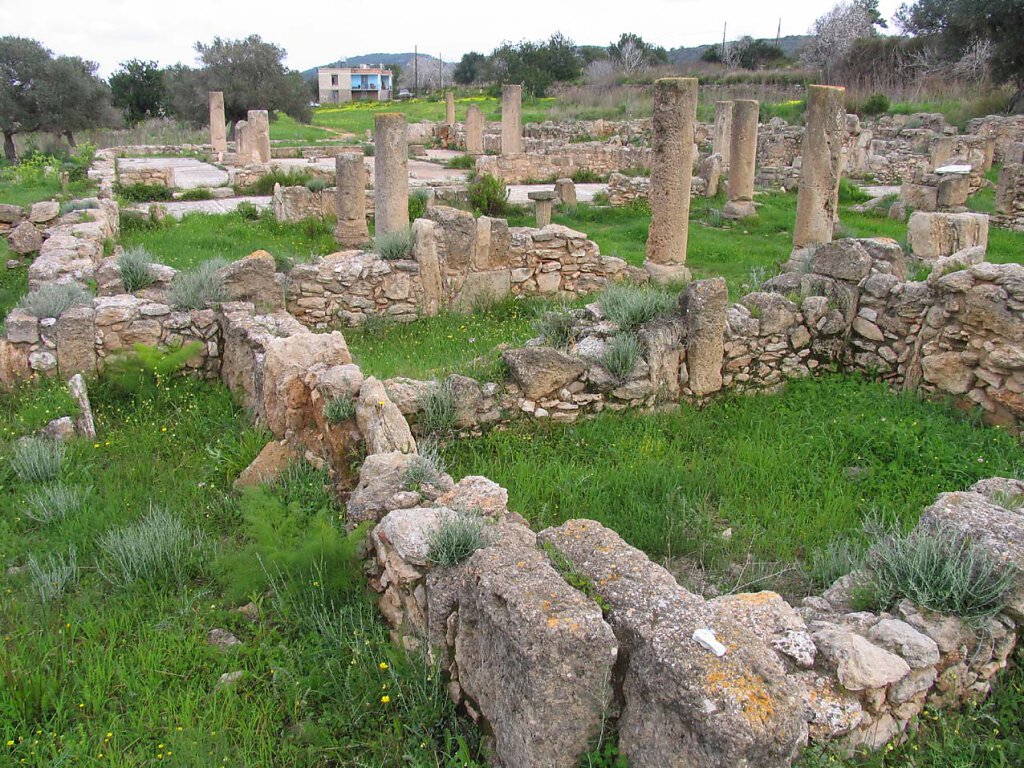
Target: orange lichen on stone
point(749, 692)
point(756, 598)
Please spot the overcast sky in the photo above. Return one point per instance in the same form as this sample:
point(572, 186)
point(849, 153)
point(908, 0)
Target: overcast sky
point(314, 33)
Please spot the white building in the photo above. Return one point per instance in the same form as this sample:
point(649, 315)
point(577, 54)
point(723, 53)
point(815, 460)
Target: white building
point(364, 83)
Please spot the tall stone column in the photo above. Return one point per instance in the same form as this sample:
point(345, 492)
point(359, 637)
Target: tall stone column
point(475, 130)
point(351, 230)
point(512, 120)
point(391, 174)
point(723, 130)
point(675, 112)
point(218, 130)
point(821, 165)
point(742, 160)
point(243, 144)
point(259, 134)
point(449, 108)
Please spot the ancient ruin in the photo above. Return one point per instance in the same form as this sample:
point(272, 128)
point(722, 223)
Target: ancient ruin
point(742, 160)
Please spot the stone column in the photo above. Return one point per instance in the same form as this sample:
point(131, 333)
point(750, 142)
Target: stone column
point(218, 130)
point(424, 235)
point(243, 146)
point(723, 130)
point(821, 165)
point(475, 130)
point(565, 189)
point(259, 127)
point(449, 108)
point(544, 202)
point(351, 230)
point(391, 174)
point(512, 120)
point(742, 160)
point(675, 111)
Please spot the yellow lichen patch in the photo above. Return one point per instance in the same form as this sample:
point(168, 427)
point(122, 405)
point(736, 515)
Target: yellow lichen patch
point(756, 598)
point(553, 622)
point(748, 691)
point(521, 564)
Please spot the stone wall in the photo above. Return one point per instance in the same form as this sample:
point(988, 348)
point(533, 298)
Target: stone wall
point(466, 260)
point(1010, 197)
point(150, 175)
point(562, 161)
point(1008, 132)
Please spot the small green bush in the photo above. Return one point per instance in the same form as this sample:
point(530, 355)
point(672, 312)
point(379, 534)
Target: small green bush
point(456, 536)
point(488, 196)
point(418, 204)
point(876, 104)
point(199, 287)
point(38, 459)
point(426, 467)
point(851, 193)
point(265, 184)
point(587, 176)
point(141, 371)
point(78, 205)
point(339, 409)
point(438, 412)
point(629, 305)
point(461, 163)
point(144, 193)
point(369, 150)
point(622, 354)
point(54, 502)
point(247, 211)
point(556, 326)
point(52, 577)
point(840, 557)
point(135, 268)
point(52, 299)
point(317, 184)
point(941, 570)
point(394, 245)
point(199, 193)
point(160, 550)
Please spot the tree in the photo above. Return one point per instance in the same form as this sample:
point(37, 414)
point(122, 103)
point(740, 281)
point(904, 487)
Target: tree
point(24, 66)
point(536, 65)
point(250, 72)
point(470, 69)
point(833, 35)
point(138, 90)
point(633, 54)
point(74, 98)
point(960, 26)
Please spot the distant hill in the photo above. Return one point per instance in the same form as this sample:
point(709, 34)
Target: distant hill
point(790, 45)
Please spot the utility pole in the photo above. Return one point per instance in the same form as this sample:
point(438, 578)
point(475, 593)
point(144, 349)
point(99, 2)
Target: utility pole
point(725, 59)
point(440, 71)
point(778, 33)
point(416, 70)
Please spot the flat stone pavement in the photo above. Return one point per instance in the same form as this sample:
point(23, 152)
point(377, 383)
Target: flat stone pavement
point(227, 205)
point(189, 172)
point(421, 172)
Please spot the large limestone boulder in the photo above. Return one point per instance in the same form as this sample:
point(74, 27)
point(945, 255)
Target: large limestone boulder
point(703, 306)
point(381, 476)
point(859, 664)
point(270, 464)
point(382, 424)
point(44, 211)
point(842, 260)
point(933, 235)
point(534, 657)
point(253, 279)
point(683, 704)
point(541, 370)
point(24, 239)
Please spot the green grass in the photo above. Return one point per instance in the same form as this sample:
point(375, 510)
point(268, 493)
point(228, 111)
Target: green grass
point(199, 237)
point(285, 128)
point(787, 473)
point(124, 674)
point(13, 282)
point(45, 188)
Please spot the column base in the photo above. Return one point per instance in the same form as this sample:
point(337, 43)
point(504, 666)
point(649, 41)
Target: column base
point(667, 273)
point(351, 235)
point(739, 209)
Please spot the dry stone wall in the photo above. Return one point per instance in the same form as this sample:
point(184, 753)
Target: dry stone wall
point(563, 161)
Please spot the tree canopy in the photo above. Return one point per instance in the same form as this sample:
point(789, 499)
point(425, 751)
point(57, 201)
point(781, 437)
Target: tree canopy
point(138, 90)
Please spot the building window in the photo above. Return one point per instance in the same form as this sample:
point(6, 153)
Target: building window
point(334, 79)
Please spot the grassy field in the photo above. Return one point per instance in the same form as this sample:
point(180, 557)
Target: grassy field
point(199, 237)
point(285, 128)
point(47, 188)
point(100, 669)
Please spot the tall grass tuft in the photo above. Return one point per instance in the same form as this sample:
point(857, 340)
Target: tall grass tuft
point(339, 409)
point(426, 468)
point(438, 410)
point(54, 502)
point(629, 305)
point(394, 245)
point(53, 299)
point(159, 550)
point(199, 287)
point(837, 559)
point(38, 459)
point(622, 354)
point(556, 326)
point(456, 536)
point(52, 577)
point(135, 266)
point(940, 569)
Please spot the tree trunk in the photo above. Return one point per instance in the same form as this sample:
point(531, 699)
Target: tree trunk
point(71, 139)
point(10, 151)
